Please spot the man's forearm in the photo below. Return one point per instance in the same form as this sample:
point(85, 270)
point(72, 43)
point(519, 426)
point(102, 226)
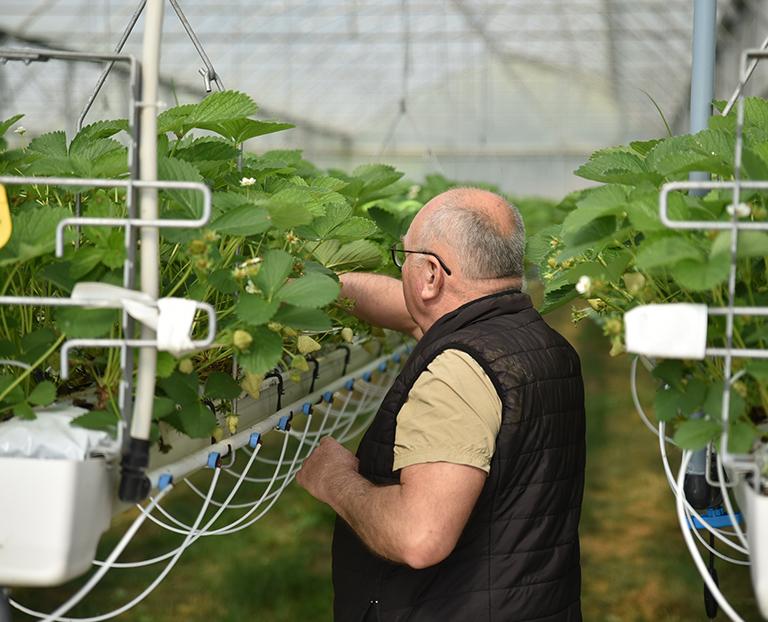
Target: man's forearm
point(374, 513)
point(378, 300)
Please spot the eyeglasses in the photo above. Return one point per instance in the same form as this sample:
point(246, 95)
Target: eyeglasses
point(398, 257)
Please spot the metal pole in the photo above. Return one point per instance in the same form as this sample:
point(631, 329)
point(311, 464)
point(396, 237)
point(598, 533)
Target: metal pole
point(703, 69)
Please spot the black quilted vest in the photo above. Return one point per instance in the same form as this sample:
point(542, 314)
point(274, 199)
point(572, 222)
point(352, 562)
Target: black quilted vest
point(518, 556)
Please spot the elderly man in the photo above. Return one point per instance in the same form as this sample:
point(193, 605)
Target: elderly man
point(463, 501)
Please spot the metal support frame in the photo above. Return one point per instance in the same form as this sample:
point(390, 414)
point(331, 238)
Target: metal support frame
point(30, 55)
point(702, 69)
point(738, 463)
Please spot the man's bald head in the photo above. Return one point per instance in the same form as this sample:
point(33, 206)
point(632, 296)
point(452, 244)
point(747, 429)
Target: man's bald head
point(486, 232)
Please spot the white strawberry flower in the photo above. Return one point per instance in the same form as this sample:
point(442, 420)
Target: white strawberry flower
point(247, 181)
point(21, 130)
point(742, 210)
point(584, 285)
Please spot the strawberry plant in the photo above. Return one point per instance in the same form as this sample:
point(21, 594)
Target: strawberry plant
point(612, 252)
point(280, 232)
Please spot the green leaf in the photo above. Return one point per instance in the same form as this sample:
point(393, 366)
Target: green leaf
point(221, 386)
point(193, 419)
point(557, 298)
point(222, 106)
point(389, 223)
point(24, 411)
point(33, 233)
point(303, 318)
point(670, 371)
point(166, 363)
point(358, 255)
point(311, 290)
point(101, 420)
point(85, 323)
point(43, 394)
point(289, 209)
point(666, 252)
point(97, 130)
point(758, 369)
point(16, 394)
point(223, 281)
point(207, 148)
point(697, 276)
point(34, 344)
point(750, 244)
point(8, 123)
point(52, 144)
point(275, 268)
point(243, 221)
point(162, 407)
point(694, 434)
point(614, 166)
point(666, 403)
point(595, 204)
point(741, 436)
point(172, 169)
point(264, 352)
point(713, 404)
point(240, 130)
point(254, 310)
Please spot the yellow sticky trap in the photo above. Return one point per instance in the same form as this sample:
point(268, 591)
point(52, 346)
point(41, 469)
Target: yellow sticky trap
point(5, 218)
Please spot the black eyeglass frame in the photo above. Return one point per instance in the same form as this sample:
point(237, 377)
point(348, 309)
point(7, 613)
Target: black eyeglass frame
point(394, 250)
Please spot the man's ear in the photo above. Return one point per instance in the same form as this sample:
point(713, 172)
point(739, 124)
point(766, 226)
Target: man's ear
point(433, 279)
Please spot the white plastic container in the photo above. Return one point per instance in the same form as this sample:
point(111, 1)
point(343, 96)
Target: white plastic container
point(52, 514)
point(754, 507)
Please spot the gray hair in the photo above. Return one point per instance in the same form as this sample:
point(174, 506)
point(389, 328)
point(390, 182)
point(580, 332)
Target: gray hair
point(485, 250)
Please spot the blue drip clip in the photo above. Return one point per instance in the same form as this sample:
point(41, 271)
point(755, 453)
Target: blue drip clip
point(396, 357)
point(214, 460)
point(367, 376)
point(284, 424)
point(383, 366)
point(165, 480)
point(306, 408)
point(328, 396)
point(350, 384)
point(717, 518)
point(254, 440)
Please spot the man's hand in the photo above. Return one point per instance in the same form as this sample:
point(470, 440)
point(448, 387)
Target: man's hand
point(326, 468)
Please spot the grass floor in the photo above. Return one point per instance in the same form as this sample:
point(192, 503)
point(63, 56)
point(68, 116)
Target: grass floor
point(635, 565)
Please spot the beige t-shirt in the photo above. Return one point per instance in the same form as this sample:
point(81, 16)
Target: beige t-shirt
point(452, 414)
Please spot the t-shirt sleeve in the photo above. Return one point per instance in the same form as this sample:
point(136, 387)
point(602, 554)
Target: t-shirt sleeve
point(452, 414)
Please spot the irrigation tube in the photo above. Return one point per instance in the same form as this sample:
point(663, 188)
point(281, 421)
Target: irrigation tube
point(695, 553)
point(152, 585)
point(198, 459)
point(678, 493)
point(150, 237)
point(99, 574)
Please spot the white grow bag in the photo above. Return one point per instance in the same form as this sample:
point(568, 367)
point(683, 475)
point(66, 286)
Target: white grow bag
point(56, 499)
point(755, 510)
point(53, 514)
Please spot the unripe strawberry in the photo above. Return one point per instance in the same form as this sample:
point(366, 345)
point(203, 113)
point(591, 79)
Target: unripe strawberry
point(232, 421)
point(186, 366)
point(242, 339)
point(197, 247)
point(217, 434)
point(347, 334)
point(306, 344)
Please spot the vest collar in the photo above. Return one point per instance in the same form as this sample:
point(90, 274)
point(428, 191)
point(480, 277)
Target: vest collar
point(484, 308)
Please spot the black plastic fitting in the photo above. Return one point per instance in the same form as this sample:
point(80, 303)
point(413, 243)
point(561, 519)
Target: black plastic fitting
point(134, 484)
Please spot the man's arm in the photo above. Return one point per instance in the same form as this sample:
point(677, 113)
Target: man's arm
point(416, 522)
point(379, 301)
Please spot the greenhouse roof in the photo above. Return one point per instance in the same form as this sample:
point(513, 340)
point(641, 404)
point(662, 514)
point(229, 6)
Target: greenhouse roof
point(402, 77)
